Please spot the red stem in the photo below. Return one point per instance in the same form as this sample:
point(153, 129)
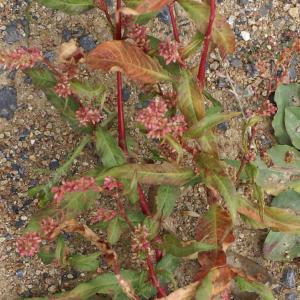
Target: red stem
point(173, 21)
point(160, 291)
point(143, 202)
point(207, 38)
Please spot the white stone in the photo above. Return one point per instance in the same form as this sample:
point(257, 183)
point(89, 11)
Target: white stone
point(294, 12)
point(245, 35)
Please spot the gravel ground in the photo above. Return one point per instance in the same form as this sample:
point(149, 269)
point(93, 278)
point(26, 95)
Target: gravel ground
point(34, 140)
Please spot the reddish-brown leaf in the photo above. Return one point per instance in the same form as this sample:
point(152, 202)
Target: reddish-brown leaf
point(148, 6)
point(122, 56)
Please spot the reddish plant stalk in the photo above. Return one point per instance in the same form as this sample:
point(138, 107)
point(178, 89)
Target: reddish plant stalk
point(173, 21)
point(143, 202)
point(207, 39)
point(160, 291)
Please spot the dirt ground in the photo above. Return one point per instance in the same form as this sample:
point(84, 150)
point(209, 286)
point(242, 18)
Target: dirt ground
point(34, 140)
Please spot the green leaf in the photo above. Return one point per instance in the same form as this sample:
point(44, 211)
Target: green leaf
point(47, 256)
point(85, 90)
point(42, 78)
point(286, 95)
point(166, 199)
point(69, 6)
point(280, 246)
point(222, 34)
point(282, 174)
point(209, 122)
point(292, 124)
point(110, 153)
point(178, 248)
point(190, 99)
point(76, 202)
point(84, 263)
point(168, 262)
point(163, 174)
point(254, 287)
point(60, 251)
point(194, 45)
point(153, 226)
point(114, 230)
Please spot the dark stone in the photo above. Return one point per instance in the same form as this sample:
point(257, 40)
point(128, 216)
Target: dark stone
point(20, 273)
point(251, 70)
point(27, 79)
point(15, 209)
point(235, 62)
point(24, 155)
point(20, 223)
point(12, 74)
point(13, 190)
point(222, 83)
point(12, 33)
point(18, 168)
point(27, 202)
point(32, 183)
point(265, 9)
point(45, 275)
point(26, 294)
point(223, 126)
point(87, 43)
point(164, 15)
point(49, 55)
point(66, 34)
point(126, 93)
point(24, 134)
point(293, 69)
point(242, 2)
point(291, 296)
point(54, 164)
point(8, 102)
point(289, 278)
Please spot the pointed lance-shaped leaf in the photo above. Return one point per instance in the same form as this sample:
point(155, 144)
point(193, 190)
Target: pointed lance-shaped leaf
point(145, 6)
point(127, 58)
point(190, 99)
point(222, 34)
point(69, 6)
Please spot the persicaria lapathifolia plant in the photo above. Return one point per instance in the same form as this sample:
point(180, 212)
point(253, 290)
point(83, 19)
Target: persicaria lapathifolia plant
point(127, 196)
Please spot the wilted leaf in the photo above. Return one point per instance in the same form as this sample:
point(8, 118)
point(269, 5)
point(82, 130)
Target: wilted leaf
point(286, 95)
point(222, 34)
point(292, 124)
point(190, 99)
point(110, 153)
point(60, 255)
point(216, 281)
point(122, 56)
point(165, 173)
point(84, 263)
point(69, 6)
point(184, 248)
point(166, 199)
point(280, 246)
point(251, 286)
point(209, 122)
point(194, 45)
point(284, 171)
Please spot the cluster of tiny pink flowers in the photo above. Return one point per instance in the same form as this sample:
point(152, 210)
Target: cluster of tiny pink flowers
point(87, 115)
point(170, 99)
point(139, 34)
point(267, 109)
point(139, 241)
point(250, 156)
point(28, 244)
point(82, 184)
point(63, 87)
point(21, 58)
point(111, 184)
point(48, 225)
point(169, 50)
point(103, 215)
point(158, 125)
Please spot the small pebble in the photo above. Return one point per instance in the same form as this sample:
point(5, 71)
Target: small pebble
point(289, 278)
point(126, 93)
point(8, 102)
point(164, 15)
point(87, 43)
point(291, 296)
point(20, 273)
point(54, 164)
point(245, 35)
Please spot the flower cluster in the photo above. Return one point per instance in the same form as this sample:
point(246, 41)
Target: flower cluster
point(28, 244)
point(87, 115)
point(82, 184)
point(139, 34)
point(267, 109)
point(111, 184)
point(103, 215)
point(250, 156)
point(21, 58)
point(139, 241)
point(158, 125)
point(169, 50)
point(48, 225)
point(63, 87)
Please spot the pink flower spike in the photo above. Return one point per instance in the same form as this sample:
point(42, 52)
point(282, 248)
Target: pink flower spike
point(63, 87)
point(111, 184)
point(48, 225)
point(87, 115)
point(28, 244)
point(103, 215)
point(139, 242)
point(178, 125)
point(169, 50)
point(139, 34)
